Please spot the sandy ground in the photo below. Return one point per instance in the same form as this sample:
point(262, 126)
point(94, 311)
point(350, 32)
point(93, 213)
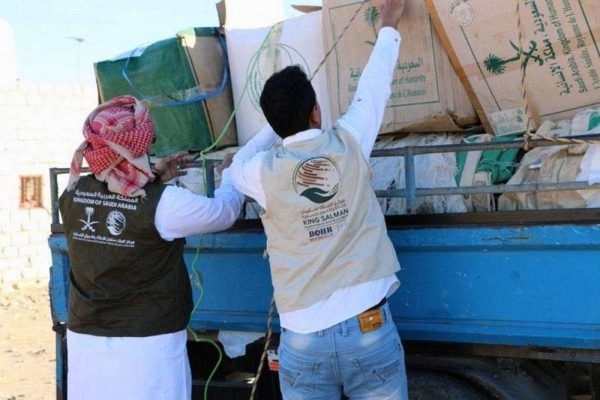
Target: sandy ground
point(27, 349)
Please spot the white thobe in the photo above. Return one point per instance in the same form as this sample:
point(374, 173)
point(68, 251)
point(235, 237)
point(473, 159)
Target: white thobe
point(154, 367)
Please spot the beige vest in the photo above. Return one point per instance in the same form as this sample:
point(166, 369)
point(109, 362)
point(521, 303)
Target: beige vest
point(325, 229)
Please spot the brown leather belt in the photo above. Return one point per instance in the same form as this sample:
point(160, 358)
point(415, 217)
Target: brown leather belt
point(378, 305)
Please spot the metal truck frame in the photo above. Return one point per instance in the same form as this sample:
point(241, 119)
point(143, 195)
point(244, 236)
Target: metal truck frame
point(499, 305)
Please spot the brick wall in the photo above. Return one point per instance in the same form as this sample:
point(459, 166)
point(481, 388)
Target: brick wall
point(40, 127)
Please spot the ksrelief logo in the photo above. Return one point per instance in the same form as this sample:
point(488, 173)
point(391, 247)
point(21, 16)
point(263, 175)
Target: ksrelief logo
point(461, 13)
point(317, 179)
point(115, 222)
point(270, 58)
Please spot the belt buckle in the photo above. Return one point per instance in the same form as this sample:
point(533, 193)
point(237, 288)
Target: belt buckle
point(370, 320)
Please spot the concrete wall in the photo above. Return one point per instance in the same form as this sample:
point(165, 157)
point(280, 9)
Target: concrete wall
point(40, 127)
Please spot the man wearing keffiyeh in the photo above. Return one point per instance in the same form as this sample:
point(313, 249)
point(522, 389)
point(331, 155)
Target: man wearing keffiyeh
point(117, 136)
point(130, 296)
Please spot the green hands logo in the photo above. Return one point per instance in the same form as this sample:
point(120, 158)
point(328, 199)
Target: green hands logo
point(269, 59)
point(317, 179)
point(496, 65)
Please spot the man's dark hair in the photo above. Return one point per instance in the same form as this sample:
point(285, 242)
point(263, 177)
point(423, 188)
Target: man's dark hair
point(287, 100)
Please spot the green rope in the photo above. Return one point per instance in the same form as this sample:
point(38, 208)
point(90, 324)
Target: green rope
point(202, 155)
point(196, 273)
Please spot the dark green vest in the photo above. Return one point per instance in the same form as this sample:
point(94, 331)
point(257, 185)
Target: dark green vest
point(125, 279)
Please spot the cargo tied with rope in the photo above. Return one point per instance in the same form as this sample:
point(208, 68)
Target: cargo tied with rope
point(185, 83)
point(487, 170)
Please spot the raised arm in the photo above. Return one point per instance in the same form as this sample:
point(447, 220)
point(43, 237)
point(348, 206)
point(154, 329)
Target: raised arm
point(365, 114)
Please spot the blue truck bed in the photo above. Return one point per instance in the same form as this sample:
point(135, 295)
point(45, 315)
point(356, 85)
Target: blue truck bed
point(532, 284)
point(481, 294)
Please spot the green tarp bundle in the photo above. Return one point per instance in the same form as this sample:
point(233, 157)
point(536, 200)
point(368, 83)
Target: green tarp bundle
point(169, 77)
point(499, 163)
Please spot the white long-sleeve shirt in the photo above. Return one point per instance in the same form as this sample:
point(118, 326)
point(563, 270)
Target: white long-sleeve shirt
point(181, 213)
point(363, 120)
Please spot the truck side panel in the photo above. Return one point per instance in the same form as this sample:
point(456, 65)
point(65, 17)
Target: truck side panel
point(522, 286)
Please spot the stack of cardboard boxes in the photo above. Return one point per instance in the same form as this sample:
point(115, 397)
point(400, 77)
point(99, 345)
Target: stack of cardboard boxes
point(465, 66)
point(547, 49)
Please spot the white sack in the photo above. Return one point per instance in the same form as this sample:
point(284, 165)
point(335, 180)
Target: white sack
point(255, 54)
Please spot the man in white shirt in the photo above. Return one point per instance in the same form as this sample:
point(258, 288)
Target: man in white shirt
point(130, 296)
point(332, 264)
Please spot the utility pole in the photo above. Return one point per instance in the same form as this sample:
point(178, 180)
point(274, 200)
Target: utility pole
point(80, 41)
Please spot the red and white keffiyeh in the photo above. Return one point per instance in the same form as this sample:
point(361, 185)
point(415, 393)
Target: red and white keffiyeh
point(118, 135)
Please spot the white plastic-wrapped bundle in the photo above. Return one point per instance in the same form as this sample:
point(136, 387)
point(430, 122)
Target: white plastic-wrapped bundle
point(590, 172)
point(252, 210)
point(555, 164)
point(552, 164)
point(195, 179)
point(255, 54)
point(431, 171)
point(588, 121)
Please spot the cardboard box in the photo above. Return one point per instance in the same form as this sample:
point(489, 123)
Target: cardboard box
point(560, 53)
point(166, 76)
point(207, 55)
point(427, 95)
point(255, 54)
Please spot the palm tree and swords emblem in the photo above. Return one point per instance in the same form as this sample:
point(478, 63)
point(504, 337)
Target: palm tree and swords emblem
point(493, 63)
point(89, 211)
point(496, 65)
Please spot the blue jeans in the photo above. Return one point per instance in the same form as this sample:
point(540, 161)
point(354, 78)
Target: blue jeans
point(324, 364)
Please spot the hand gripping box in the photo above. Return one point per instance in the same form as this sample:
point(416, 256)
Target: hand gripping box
point(427, 95)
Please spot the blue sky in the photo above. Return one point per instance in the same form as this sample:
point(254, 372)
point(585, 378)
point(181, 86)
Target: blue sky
point(45, 31)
